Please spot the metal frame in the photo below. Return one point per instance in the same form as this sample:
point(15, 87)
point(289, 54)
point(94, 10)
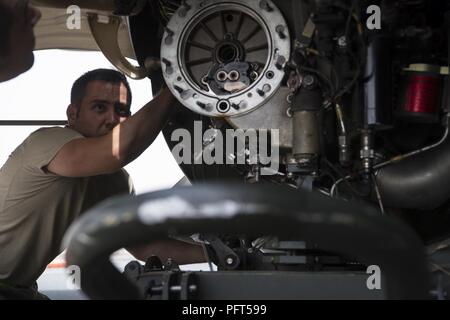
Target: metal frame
point(33, 122)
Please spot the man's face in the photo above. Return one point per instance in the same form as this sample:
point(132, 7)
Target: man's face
point(103, 106)
point(21, 40)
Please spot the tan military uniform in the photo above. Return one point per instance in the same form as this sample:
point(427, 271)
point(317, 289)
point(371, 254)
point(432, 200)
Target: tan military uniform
point(37, 207)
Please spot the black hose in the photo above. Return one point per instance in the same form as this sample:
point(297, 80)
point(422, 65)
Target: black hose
point(254, 210)
point(419, 182)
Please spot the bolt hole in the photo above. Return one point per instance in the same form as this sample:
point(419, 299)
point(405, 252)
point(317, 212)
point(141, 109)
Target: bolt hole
point(179, 78)
point(227, 53)
point(234, 75)
point(223, 106)
point(229, 18)
point(221, 76)
point(270, 74)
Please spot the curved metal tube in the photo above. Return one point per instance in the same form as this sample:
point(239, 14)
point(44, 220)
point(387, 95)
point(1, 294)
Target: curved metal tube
point(419, 182)
point(334, 225)
point(419, 179)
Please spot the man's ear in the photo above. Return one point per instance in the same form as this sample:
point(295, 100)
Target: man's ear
point(71, 112)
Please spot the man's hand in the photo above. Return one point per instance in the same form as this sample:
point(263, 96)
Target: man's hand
point(107, 154)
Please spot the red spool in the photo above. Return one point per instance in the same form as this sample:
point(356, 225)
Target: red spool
point(421, 94)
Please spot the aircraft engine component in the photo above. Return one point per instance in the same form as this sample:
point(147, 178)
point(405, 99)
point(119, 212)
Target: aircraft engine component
point(225, 58)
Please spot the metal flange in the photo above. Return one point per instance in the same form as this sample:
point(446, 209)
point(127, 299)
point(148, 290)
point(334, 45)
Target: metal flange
point(200, 29)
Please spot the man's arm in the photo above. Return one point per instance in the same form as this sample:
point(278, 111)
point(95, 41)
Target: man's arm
point(107, 154)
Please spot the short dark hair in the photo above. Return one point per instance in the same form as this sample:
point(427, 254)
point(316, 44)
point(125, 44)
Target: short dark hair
point(6, 21)
point(107, 75)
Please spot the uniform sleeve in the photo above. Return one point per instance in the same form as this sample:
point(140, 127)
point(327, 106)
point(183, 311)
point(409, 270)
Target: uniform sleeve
point(43, 145)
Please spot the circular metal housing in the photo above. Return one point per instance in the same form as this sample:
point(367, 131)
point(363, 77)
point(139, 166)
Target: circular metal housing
point(225, 58)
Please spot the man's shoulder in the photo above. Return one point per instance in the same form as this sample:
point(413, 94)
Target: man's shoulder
point(48, 132)
point(47, 139)
point(42, 145)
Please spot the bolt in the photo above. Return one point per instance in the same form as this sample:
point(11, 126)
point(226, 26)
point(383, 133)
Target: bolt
point(201, 104)
point(179, 90)
point(228, 36)
point(205, 106)
point(169, 263)
point(186, 94)
point(280, 30)
point(308, 80)
point(183, 9)
point(169, 69)
point(253, 75)
point(280, 61)
point(166, 62)
point(263, 4)
point(168, 31)
point(229, 261)
point(169, 39)
point(242, 105)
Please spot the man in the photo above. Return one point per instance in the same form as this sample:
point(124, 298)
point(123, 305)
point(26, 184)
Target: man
point(17, 20)
point(58, 173)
